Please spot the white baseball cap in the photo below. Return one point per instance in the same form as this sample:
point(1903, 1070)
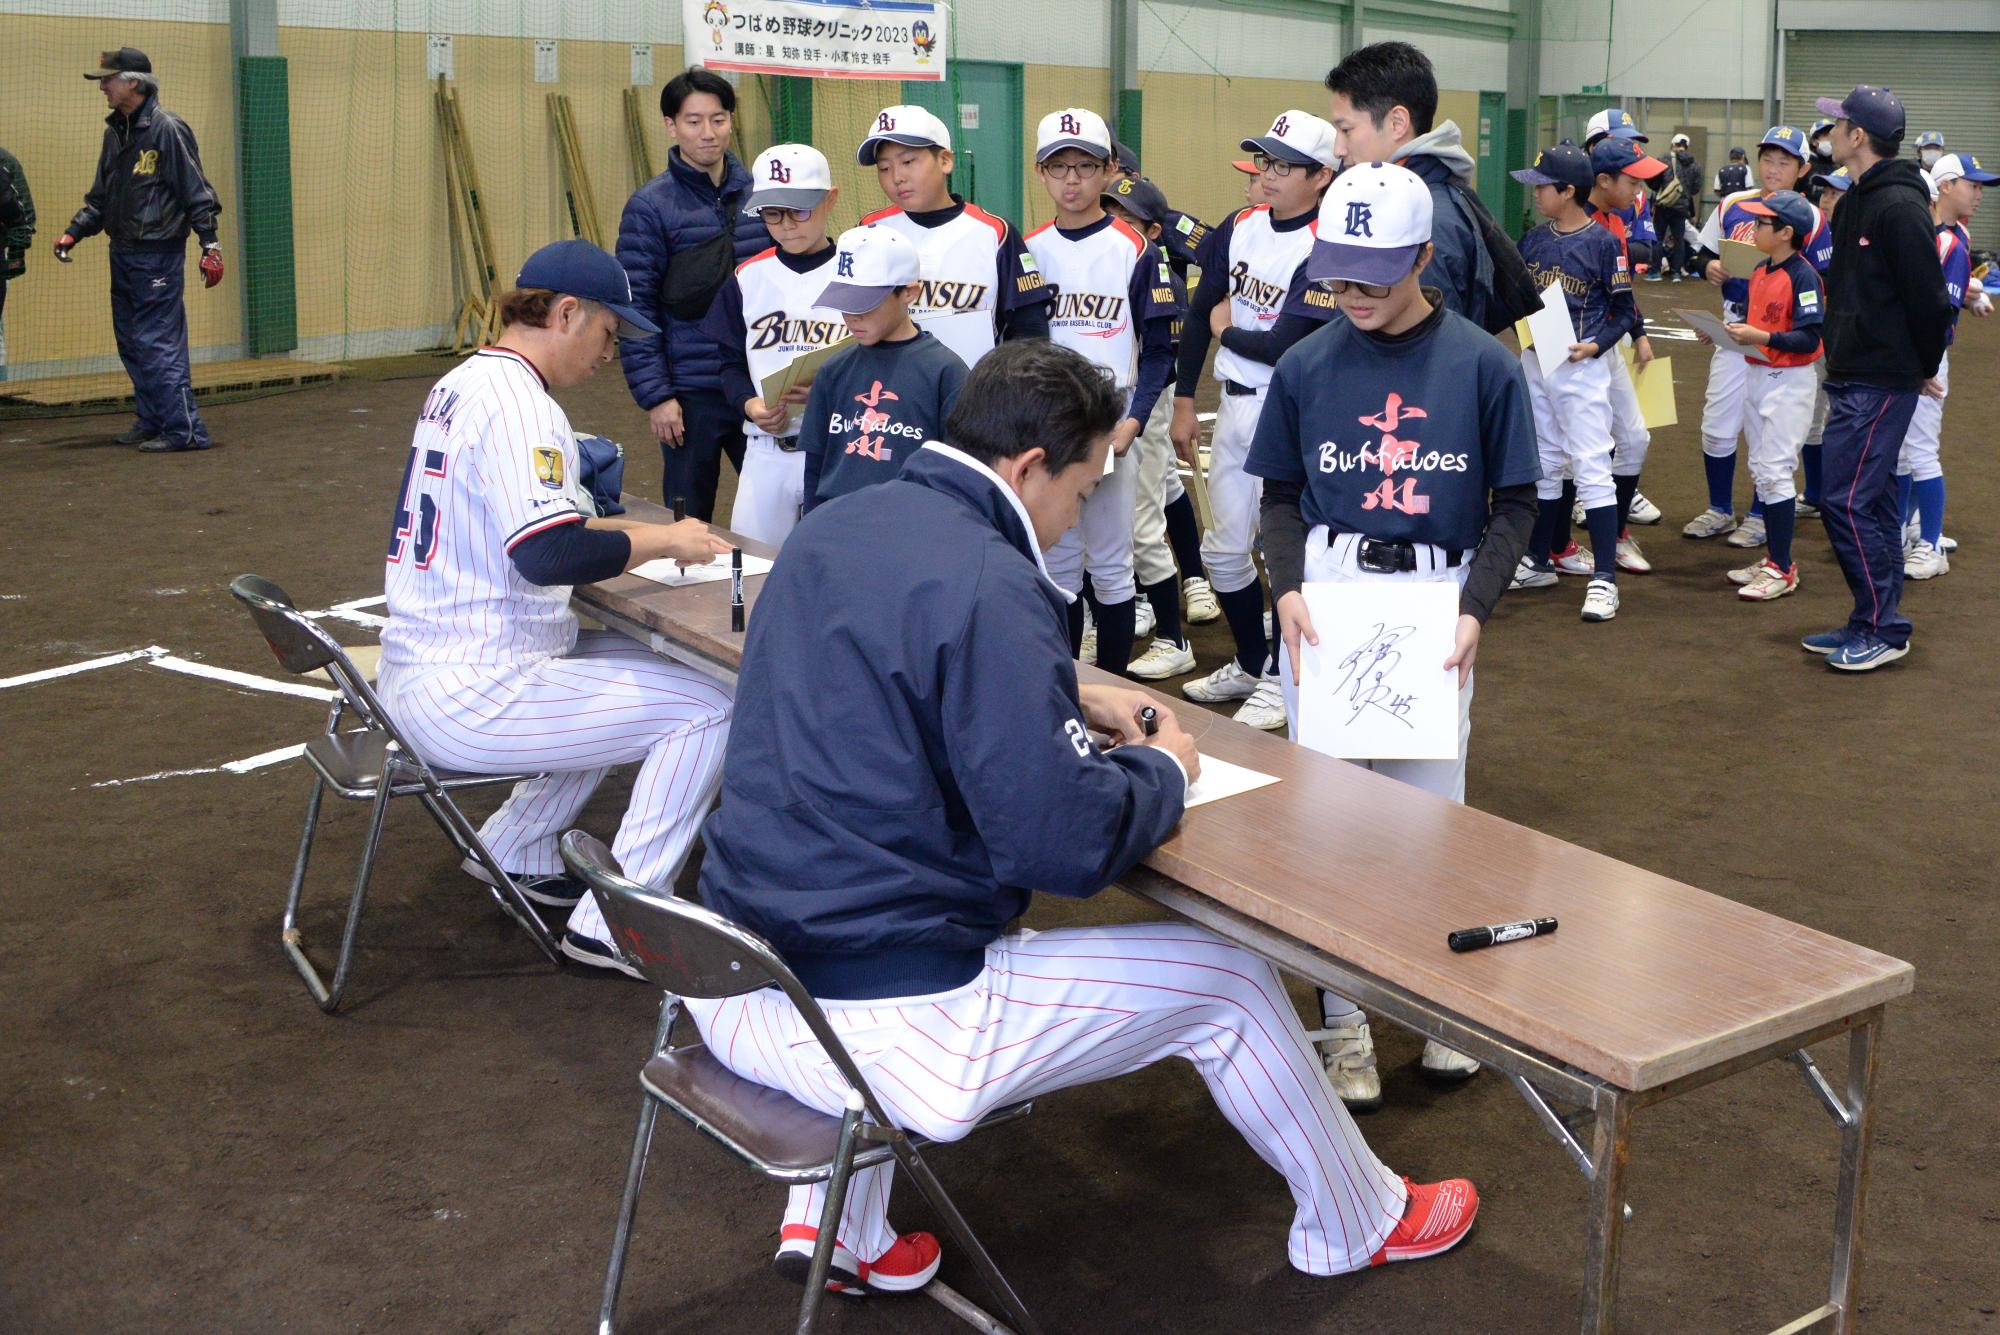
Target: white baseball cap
point(872, 262)
point(1930, 182)
point(1300, 138)
point(1072, 127)
point(1372, 223)
point(903, 124)
point(789, 176)
point(1953, 166)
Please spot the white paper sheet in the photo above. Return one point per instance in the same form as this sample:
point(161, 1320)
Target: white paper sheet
point(1718, 333)
point(670, 573)
point(1554, 331)
point(1375, 688)
point(1220, 779)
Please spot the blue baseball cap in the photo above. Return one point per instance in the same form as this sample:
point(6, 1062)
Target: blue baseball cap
point(1614, 157)
point(1835, 180)
point(589, 273)
point(1819, 128)
point(1614, 121)
point(1961, 167)
point(1788, 137)
point(1788, 207)
point(1931, 139)
point(1563, 164)
point(1876, 110)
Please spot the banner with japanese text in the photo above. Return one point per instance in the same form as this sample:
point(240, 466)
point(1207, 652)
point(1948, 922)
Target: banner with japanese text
point(818, 39)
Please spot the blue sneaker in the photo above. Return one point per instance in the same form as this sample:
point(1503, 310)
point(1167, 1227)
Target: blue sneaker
point(1827, 641)
point(1865, 653)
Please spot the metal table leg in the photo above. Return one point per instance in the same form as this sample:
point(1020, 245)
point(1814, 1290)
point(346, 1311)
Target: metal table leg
point(1862, 1046)
point(1611, 1148)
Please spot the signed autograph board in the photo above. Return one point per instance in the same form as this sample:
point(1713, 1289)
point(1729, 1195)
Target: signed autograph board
point(1376, 687)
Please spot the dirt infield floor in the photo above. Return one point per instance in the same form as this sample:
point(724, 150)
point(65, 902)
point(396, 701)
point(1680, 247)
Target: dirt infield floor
point(187, 1144)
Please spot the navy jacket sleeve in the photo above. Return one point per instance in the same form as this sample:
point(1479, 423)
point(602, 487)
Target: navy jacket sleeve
point(572, 553)
point(812, 434)
point(1212, 289)
point(1053, 813)
point(644, 250)
point(723, 326)
point(1153, 304)
point(1307, 307)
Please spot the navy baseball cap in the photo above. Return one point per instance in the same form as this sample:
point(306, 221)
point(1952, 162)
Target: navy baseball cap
point(1138, 197)
point(1788, 137)
point(1614, 156)
point(578, 269)
point(1787, 206)
point(1564, 164)
point(131, 60)
point(1835, 180)
point(1876, 110)
point(1128, 161)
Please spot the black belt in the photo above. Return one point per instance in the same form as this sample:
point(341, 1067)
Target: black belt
point(1234, 390)
point(786, 444)
point(1386, 557)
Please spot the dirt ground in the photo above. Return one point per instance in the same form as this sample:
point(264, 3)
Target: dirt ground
point(190, 1145)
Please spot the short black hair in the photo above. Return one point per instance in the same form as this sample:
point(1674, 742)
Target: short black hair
point(1883, 148)
point(1387, 75)
point(1031, 393)
point(694, 79)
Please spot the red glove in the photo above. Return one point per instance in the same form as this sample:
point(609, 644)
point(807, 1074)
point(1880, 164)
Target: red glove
point(63, 244)
point(211, 266)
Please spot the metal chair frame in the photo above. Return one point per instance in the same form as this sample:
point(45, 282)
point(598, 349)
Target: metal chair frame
point(690, 951)
point(302, 646)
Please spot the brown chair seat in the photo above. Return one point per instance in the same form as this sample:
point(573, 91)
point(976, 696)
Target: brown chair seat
point(767, 1128)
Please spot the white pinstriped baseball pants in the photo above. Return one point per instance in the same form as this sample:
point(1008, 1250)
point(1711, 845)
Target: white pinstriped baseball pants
point(1071, 1007)
point(607, 702)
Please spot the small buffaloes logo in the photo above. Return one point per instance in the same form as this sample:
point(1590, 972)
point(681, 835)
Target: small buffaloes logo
point(884, 123)
point(780, 172)
point(1358, 217)
point(1070, 124)
point(549, 467)
point(1281, 125)
point(846, 268)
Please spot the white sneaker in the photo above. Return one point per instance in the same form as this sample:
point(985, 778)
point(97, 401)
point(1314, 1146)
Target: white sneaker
point(1600, 600)
point(1348, 1053)
point(1528, 575)
point(1947, 544)
point(1749, 533)
point(1228, 682)
point(1643, 511)
point(1746, 574)
point(1769, 582)
point(1443, 1063)
point(1163, 658)
point(1709, 524)
point(1142, 619)
point(1201, 605)
point(1575, 559)
point(1265, 708)
point(1631, 559)
point(1925, 562)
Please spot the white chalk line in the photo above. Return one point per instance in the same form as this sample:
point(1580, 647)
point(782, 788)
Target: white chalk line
point(259, 761)
point(174, 663)
point(88, 665)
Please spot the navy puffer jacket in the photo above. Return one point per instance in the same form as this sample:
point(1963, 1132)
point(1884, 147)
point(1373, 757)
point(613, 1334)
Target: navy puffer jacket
point(678, 209)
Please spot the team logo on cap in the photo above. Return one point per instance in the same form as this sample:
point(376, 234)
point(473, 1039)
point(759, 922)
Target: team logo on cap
point(1280, 126)
point(1070, 124)
point(1125, 184)
point(884, 123)
point(1359, 215)
point(846, 268)
point(780, 172)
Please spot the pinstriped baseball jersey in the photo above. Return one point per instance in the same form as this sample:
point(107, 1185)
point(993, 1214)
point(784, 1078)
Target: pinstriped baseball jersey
point(492, 463)
point(1262, 261)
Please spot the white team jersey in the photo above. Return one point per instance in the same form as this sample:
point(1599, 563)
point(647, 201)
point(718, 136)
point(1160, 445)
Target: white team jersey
point(1092, 277)
point(1262, 261)
point(492, 463)
point(960, 301)
point(780, 320)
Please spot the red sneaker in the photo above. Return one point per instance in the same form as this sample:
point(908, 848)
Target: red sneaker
point(1436, 1218)
point(909, 1264)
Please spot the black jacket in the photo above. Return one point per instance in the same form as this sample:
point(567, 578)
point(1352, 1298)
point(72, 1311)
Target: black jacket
point(1887, 311)
point(150, 190)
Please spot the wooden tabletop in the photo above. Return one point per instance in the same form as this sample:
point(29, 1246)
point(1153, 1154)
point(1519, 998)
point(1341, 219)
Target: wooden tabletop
point(1645, 980)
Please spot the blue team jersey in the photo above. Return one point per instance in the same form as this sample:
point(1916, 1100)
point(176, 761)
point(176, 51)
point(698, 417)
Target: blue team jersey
point(1955, 254)
point(1590, 265)
point(1737, 224)
point(1638, 220)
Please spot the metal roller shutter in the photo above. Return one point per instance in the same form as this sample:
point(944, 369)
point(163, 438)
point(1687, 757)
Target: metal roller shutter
point(1946, 79)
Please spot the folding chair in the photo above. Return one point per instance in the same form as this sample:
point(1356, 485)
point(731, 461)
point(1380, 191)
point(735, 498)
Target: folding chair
point(371, 765)
point(690, 951)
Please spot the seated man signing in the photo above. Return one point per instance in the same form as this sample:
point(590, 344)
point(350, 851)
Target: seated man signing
point(910, 760)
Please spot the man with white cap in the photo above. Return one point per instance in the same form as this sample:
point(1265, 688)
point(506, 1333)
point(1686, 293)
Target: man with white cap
point(1674, 221)
point(875, 404)
point(766, 315)
point(1251, 289)
point(1115, 305)
point(1396, 444)
point(980, 284)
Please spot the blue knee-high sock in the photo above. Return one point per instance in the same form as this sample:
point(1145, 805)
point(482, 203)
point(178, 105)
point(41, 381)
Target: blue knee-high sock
point(1780, 519)
point(1810, 456)
point(1756, 508)
point(1569, 505)
point(1721, 469)
point(1905, 489)
point(1602, 521)
point(1184, 536)
point(1929, 497)
point(1244, 610)
point(1551, 519)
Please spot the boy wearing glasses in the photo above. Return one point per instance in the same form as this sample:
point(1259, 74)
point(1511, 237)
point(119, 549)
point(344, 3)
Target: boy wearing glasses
point(1396, 444)
point(768, 314)
point(980, 285)
point(1252, 291)
point(1115, 305)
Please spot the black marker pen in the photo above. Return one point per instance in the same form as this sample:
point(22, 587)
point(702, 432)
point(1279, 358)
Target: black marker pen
point(680, 508)
point(736, 588)
point(1478, 938)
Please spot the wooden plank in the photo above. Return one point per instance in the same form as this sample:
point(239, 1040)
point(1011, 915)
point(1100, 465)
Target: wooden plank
point(209, 378)
point(1645, 981)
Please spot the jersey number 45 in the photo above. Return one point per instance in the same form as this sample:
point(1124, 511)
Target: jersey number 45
point(420, 522)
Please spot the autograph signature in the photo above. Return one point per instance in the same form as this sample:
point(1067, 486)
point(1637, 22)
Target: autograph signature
point(1368, 668)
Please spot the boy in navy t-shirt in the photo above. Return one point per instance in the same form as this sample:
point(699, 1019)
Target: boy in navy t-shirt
point(874, 405)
